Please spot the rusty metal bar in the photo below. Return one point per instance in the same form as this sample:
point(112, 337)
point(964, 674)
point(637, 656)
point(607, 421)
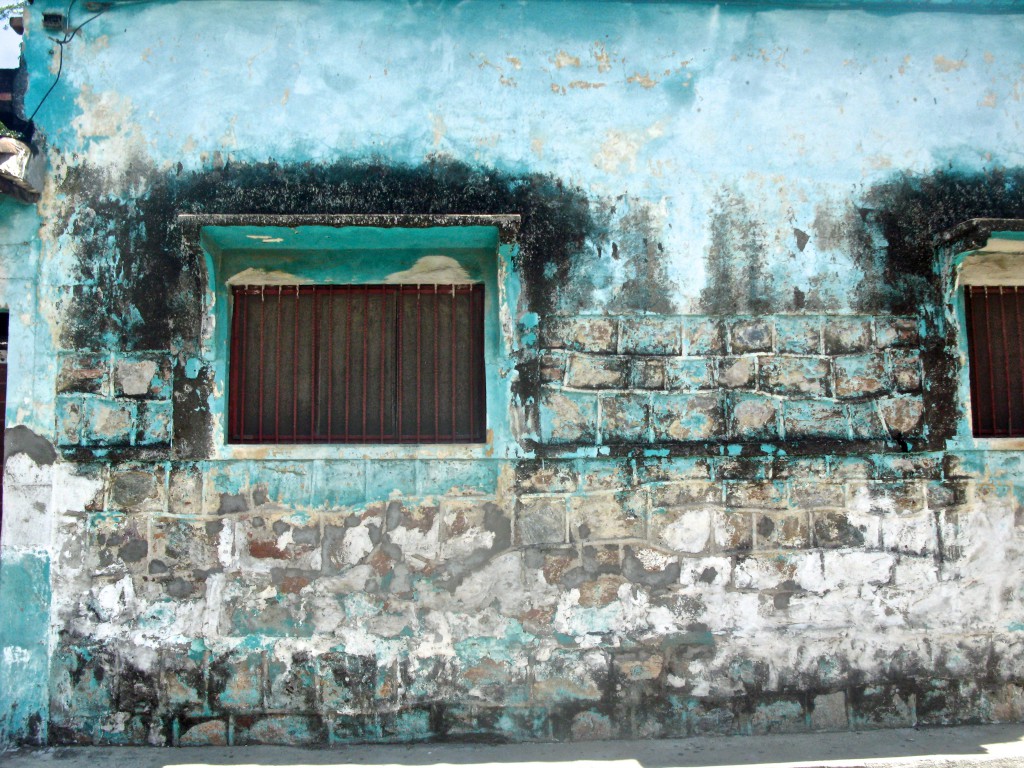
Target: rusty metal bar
point(399, 353)
point(312, 364)
point(330, 361)
point(437, 386)
point(348, 358)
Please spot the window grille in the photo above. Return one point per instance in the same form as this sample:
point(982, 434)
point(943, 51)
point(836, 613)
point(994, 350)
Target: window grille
point(357, 364)
point(995, 339)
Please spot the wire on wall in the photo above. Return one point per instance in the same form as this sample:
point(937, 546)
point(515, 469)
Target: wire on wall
point(68, 37)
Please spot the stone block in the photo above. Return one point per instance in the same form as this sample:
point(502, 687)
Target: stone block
point(674, 469)
point(795, 376)
point(342, 483)
point(815, 418)
point(902, 415)
point(899, 466)
point(945, 494)
point(743, 468)
point(782, 530)
point(859, 375)
point(754, 417)
point(702, 336)
point(118, 545)
point(706, 571)
point(143, 375)
point(283, 730)
point(694, 493)
point(606, 475)
point(237, 681)
point(782, 715)
point(137, 488)
point(753, 335)
point(581, 334)
point(688, 374)
point(109, 422)
point(562, 676)
point(552, 366)
point(292, 681)
point(764, 571)
point(650, 566)
point(591, 726)
point(607, 516)
point(865, 421)
point(70, 420)
point(678, 529)
point(846, 334)
point(541, 520)
point(597, 372)
point(901, 497)
point(567, 418)
point(83, 373)
point(473, 529)
point(798, 334)
point(881, 707)
point(811, 493)
point(755, 495)
point(685, 418)
point(185, 490)
point(737, 372)
point(648, 372)
point(835, 528)
point(909, 534)
point(732, 531)
point(182, 545)
point(851, 468)
point(904, 369)
point(351, 683)
point(155, 422)
point(280, 537)
point(546, 477)
point(625, 419)
point(799, 468)
point(828, 712)
point(649, 336)
point(452, 477)
point(205, 733)
point(896, 332)
point(855, 569)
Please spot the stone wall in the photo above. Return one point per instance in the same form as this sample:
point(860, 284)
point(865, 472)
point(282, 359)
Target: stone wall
point(730, 485)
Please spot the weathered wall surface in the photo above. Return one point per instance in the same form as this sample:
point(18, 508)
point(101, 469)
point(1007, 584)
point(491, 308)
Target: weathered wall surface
point(734, 489)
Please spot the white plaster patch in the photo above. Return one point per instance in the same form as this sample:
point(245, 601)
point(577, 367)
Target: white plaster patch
point(432, 270)
point(356, 545)
point(689, 532)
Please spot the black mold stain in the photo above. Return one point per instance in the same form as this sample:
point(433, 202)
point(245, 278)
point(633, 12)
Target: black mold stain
point(646, 288)
point(736, 279)
point(136, 288)
point(21, 439)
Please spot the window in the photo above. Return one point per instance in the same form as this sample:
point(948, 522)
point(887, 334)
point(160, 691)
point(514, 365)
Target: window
point(995, 340)
point(384, 363)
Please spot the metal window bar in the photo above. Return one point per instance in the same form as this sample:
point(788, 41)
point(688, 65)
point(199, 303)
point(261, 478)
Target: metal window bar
point(995, 338)
point(368, 378)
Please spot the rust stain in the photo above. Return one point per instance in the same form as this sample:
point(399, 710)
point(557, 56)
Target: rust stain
point(644, 80)
point(942, 64)
point(563, 60)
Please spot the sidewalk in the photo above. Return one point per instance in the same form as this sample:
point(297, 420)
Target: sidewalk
point(992, 746)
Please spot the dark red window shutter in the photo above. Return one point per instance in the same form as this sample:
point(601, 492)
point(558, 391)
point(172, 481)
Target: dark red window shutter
point(357, 364)
point(995, 339)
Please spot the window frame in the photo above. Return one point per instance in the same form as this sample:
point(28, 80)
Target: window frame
point(356, 249)
point(961, 249)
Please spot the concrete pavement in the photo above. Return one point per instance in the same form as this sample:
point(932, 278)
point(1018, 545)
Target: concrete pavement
point(992, 746)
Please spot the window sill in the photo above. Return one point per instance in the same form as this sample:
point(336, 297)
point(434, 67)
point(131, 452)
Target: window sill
point(343, 452)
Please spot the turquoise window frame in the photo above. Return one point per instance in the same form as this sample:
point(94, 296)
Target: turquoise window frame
point(965, 440)
point(253, 251)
